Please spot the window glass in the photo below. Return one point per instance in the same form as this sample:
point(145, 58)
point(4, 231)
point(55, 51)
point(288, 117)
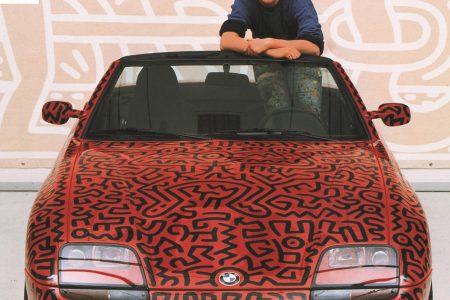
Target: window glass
point(267, 100)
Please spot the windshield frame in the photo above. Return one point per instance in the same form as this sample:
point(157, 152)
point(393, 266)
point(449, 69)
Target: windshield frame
point(211, 60)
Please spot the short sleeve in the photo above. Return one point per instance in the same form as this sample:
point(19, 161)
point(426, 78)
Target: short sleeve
point(239, 18)
point(308, 26)
point(233, 26)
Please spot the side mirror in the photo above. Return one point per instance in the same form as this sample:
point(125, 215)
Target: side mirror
point(59, 112)
point(392, 114)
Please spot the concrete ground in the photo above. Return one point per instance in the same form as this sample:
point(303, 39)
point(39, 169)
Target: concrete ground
point(15, 206)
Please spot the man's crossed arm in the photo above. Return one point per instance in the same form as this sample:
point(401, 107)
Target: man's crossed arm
point(277, 48)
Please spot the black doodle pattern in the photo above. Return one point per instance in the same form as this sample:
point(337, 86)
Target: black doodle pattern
point(192, 210)
point(56, 112)
point(266, 209)
point(228, 296)
point(393, 114)
point(37, 291)
point(46, 226)
point(409, 230)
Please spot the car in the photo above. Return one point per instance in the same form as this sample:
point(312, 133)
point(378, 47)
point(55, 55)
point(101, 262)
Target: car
point(215, 176)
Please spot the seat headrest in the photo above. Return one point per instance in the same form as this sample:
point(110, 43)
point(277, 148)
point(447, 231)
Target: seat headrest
point(157, 75)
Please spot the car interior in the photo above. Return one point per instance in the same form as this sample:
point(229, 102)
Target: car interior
point(223, 101)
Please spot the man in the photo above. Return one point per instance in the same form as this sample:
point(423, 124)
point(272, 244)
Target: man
point(281, 29)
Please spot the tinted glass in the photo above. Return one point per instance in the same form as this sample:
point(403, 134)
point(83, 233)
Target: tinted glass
point(267, 100)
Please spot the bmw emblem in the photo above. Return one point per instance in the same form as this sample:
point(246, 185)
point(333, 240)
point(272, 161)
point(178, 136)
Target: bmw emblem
point(229, 278)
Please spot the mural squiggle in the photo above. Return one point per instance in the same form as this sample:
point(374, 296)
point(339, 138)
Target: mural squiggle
point(416, 62)
point(9, 74)
point(394, 50)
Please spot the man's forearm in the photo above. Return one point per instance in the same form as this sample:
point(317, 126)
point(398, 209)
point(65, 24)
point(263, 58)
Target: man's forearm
point(233, 42)
point(304, 46)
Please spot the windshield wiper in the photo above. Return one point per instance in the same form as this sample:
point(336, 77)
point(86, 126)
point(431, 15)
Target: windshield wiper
point(270, 132)
point(145, 133)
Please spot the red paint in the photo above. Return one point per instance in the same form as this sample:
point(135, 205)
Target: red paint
point(195, 209)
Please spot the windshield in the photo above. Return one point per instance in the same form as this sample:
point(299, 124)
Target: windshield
point(237, 100)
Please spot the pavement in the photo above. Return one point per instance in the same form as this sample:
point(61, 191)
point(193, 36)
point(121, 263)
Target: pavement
point(15, 207)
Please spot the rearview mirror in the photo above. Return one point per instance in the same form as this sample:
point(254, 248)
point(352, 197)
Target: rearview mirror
point(392, 114)
point(59, 112)
point(227, 79)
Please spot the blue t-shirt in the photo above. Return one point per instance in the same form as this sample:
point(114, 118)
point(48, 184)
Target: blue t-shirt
point(288, 20)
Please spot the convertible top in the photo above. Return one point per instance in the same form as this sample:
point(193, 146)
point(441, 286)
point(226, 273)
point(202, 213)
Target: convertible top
point(212, 55)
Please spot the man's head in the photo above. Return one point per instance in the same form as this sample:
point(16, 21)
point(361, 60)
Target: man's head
point(269, 3)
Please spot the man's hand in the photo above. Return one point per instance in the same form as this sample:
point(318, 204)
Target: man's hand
point(256, 47)
point(285, 52)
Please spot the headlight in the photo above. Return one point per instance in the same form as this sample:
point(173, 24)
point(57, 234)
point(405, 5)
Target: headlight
point(346, 257)
point(100, 266)
point(346, 272)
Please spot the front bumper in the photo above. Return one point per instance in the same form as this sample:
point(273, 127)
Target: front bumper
point(44, 292)
point(38, 291)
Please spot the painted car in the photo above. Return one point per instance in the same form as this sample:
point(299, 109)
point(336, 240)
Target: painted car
point(215, 176)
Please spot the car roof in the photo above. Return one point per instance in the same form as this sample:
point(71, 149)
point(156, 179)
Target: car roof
point(211, 55)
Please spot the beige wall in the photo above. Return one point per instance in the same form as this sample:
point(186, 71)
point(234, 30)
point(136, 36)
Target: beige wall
point(394, 50)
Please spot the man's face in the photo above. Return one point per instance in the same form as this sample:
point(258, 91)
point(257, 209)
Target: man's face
point(269, 3)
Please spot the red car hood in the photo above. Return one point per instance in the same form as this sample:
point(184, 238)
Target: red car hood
point(193, 210)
